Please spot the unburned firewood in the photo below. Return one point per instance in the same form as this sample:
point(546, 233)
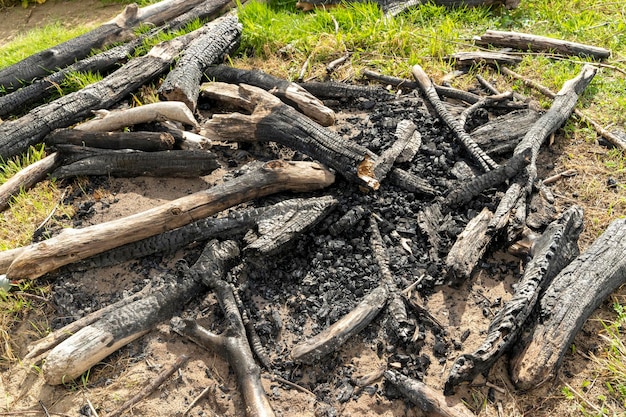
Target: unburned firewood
point(139, 141)
point(427, 399)
point(183, 82)
point(17, 135)
point(477, 154)
point(537, 43)
point(79, 161)
point(468, 249)
point(72, 245)
point(502, 134)
point(468, 59)
point(552, 251)
point(107, 121)
point(26, 178)
point(290, 93)
point(566, 304)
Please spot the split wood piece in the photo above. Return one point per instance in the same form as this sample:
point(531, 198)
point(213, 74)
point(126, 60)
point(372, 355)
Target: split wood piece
point(98, 340)
point(102, 62)
point(553, 251)
point(151, 386)
point(477, 154)
point(561, 109)
point(566, 304)
point(39, 349)
point(17, 135)
point(428, 221)
point(83, 161)
point(107, 121)
point(502, 134)
point(468, 249)
point(272, 120)
point(400, 323)
point(183, 82)
point(278, 229)
point(331, 338)
point(338, 90)
point(612, 138)
point(468, 59)
point(537, 43)
point(427, 399)
point(26, 178)
point(139, 141)
point(120, 28)
point(289, 92)
point(232, 343)
point(72, 245)
point(408, 141)
point(465, 192)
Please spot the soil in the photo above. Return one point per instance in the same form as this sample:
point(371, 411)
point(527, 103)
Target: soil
point(292, 298)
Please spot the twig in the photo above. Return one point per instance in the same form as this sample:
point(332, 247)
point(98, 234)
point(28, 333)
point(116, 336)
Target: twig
point(292, 385)
point(556, 177)
point(483, 102)
point(197, 400)
point(91, 407)
point(43, 407)
point(153, 385)
point(487, 85)
point(332, 66)
point(49, 216)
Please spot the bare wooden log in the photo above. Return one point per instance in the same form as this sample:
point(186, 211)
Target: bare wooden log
point(567, 303)
point(79, 161)
point(139, 141)
point(502, 134)
point(427, 399)
point(468, 248)
point(468, 59)
point(480, 157)
point(183, 82)
point(537, 43)
point(554, 250)
point(102, 62)
point(272, 120)
point(17, 135)
point(72, 245)
point(26, 178)
point(288, 92)
point(118, 29)
point(152, 385)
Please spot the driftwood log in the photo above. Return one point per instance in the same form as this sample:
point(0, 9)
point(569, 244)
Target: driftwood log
point(566, 304)
point(26, 178)
point(554, 250)
point(72, 245)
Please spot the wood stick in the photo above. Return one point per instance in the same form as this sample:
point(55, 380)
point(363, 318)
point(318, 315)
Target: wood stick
point(151, 386)
point(75, 244)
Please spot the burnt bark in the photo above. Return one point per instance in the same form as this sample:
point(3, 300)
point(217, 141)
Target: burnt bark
point(338, 90)
point(554, 250)
point(139, 141)
point(502, 134)
point(566, 304)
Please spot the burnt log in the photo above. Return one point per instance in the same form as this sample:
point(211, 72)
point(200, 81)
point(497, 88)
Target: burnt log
point(83, 161)
point(502, 134)
point(552, 251)
point(408, 141)
point(566, 303)
point(17, 135)
point(72, 245)
point(139, 141)
point(92, 343)
point(289, 92)
point(535, 43)
point(118, 29)
point(338, 90)
point(183, 82)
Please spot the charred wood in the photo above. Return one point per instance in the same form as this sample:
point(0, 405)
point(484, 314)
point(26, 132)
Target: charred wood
point(502, 134)
point(567, 302)
point(408, 142)
point(554, 250)
point(411, 183)
point(338, 90)
point(139, 141)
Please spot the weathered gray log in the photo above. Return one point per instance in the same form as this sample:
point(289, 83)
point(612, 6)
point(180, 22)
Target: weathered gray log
point(468, 59)
point(72, 245)
point(554, 250)
point(17, 135)
point(537, 43)
point(405, 132)
point(502, 134)
point(432, 402)
point(139, 141)
point(566, 304)
point(102, 62)
point(183, 82)
point(468, 249)
point(118, 29)
point(95, 342)
point(288, 92)
point(477, 154)
point(26, 178)
point(83, 161)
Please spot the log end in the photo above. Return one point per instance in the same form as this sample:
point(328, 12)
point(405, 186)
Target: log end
point(532, 368)
point(300, 175)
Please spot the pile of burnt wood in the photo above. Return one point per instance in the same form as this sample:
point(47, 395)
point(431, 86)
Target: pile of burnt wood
point(361, 183)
